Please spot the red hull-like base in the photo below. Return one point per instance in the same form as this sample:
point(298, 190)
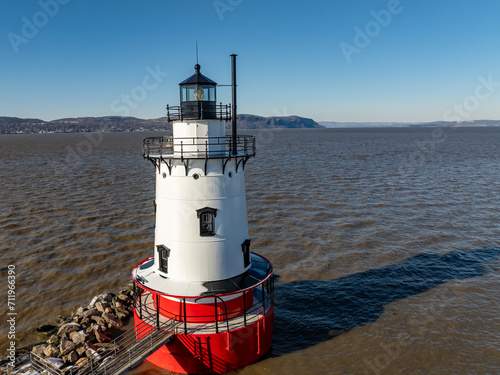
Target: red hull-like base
point(215, 353)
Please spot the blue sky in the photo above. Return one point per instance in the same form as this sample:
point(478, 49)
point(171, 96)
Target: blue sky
point(343, 60)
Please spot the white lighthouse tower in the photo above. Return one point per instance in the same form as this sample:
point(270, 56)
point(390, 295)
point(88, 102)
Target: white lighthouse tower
point(203, 283)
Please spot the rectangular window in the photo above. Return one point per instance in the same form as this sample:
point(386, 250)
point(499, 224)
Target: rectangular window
point(207, 221)
point(163, 254)
point(245, 247)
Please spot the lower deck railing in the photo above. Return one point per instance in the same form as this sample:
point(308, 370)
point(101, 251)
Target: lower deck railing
point(147, 302)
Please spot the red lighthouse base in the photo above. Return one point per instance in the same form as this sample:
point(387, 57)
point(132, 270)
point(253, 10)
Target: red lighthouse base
point(215, 353)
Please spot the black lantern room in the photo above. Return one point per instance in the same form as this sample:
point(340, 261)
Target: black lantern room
point(198, 97)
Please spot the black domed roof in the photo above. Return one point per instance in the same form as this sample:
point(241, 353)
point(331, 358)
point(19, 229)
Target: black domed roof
point(198, 78)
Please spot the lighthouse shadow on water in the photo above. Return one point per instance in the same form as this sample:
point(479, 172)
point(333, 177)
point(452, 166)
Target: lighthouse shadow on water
point(310, 312)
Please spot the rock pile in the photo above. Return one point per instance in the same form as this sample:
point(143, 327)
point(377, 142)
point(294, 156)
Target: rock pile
point(87, 331)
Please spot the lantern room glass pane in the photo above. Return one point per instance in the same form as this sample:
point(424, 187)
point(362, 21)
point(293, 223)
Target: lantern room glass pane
point(195, 93)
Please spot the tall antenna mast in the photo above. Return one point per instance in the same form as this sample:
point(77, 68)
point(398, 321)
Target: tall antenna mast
point(233, 114)
point(196, 52)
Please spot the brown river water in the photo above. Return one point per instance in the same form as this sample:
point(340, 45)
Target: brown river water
point(386, 241)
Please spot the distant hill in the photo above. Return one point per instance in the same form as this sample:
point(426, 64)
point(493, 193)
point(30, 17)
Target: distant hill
point(290, 122)
point(334, 124)
point(14, 125)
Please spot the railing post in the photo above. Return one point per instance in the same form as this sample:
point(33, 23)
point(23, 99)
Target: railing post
point(185, 317)
point(263, 298)
point(244, 310)
point(182, 152)
point(216, 318)
point(140, 302)
point(157, 311)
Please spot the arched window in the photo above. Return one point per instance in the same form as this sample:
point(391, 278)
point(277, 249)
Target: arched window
point(245, 247)
point(163, 254)
point(207, 221)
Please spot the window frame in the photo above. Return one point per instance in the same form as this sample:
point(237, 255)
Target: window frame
point(245, 248)
point(163, 250)
point(201, 214)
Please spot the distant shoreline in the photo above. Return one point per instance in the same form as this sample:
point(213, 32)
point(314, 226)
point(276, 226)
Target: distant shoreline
point(268, 129)
point(119, 124)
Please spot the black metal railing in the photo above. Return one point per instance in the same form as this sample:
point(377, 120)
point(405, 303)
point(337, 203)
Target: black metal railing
point(198, 148)
point(199, 111)
point(148, 309)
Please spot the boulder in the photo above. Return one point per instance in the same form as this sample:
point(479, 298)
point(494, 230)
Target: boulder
point(52, 351)
point(120, 305)
point(102, 337)
point(93, 301)
point(39, 350)
point(107, 297)
point(72, 357)
point(121, 314)
point(99, 320)
point(79, 337)
point(89, 313)
point(66, 347)
point(53, 339)
point(112, 320)
point(82, 362)
point(80, 311)
point(68, 328)
point(101, 306)
point(124, 298)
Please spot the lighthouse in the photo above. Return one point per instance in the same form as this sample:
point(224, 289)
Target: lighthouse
point(202, 283)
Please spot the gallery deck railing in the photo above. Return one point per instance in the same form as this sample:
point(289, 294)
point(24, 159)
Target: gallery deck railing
point(198, 148)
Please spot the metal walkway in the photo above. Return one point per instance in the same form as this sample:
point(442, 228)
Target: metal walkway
point(117, 357)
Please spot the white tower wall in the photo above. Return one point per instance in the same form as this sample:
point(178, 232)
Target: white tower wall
point(178, 197)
